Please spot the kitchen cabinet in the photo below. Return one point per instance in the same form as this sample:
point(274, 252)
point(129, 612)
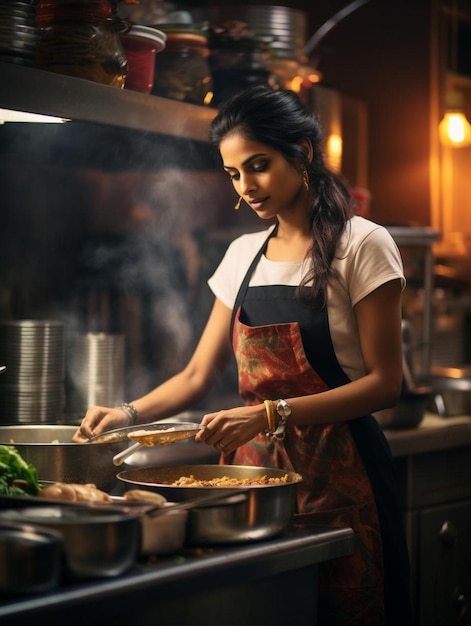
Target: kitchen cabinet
point(434, 467)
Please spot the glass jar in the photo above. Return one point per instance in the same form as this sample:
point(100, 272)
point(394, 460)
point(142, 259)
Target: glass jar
point(238, 65)
point(81, 38)
point(182, 69)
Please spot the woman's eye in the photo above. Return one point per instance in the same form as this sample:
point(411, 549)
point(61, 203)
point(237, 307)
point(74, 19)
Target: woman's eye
point(233, 176)
point(259, 168)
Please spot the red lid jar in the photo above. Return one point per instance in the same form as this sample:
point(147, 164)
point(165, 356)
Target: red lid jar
point(141, 44)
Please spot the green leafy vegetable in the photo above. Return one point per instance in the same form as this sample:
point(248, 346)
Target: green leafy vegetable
point(17, 477)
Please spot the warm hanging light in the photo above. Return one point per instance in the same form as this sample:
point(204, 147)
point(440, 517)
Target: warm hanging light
point(454, 129)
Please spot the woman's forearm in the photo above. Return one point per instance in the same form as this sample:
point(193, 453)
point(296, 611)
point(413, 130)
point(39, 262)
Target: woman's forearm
point(177, 394)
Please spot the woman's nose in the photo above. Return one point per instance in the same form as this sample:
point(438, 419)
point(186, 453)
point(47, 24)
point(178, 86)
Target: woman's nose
point(247, 183)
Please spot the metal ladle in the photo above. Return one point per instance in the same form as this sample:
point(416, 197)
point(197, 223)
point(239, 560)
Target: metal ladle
point(153, 434)
point(147, 438)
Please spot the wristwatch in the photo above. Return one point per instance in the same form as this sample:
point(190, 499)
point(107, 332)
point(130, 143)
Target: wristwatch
point(284, 411)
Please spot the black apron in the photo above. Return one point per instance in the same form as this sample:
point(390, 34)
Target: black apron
point(283, 349)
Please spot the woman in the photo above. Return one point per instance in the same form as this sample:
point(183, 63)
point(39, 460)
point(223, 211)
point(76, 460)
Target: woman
point(312, 309)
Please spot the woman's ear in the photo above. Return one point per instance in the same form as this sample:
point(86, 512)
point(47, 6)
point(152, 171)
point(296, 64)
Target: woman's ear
point(306, 145)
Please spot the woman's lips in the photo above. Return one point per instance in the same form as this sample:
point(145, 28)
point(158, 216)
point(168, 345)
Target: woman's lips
point(257, 203)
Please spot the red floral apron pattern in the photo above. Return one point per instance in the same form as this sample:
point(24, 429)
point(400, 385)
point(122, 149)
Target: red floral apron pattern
point(335, 490)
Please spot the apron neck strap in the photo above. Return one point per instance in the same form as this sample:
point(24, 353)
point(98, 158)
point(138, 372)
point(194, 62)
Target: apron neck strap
point(245, 283)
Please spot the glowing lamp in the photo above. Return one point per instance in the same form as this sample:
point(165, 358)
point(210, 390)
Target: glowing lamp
point(454, 129)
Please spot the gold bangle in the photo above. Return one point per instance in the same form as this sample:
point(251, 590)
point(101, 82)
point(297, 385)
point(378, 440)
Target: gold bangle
point(270, 408)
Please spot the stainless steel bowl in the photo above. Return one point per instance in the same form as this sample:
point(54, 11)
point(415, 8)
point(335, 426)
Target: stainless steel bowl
point(98, 542)
point(58, 459)
point(265, 511)
point(30, 558)
point(409, 411)
point(451, 391)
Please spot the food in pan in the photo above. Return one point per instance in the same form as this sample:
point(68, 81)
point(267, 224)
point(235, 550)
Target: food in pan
point(226, 481)
point(74, 492)
point(142, 495)
point(161, 437)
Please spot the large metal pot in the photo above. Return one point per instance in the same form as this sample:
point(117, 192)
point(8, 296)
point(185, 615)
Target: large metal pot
point(58, 459)
point(265, 511)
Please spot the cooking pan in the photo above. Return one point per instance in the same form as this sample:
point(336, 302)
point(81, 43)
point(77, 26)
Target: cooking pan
point(98, 541)
point(30, 558)
point(265, 511)
point(58, 459)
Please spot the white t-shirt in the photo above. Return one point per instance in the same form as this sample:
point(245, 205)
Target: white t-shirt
point(366, 258)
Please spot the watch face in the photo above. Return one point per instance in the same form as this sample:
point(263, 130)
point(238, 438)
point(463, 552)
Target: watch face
point(283, 408)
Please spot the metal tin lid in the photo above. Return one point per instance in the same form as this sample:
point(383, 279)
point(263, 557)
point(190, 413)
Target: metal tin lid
point(148, 32)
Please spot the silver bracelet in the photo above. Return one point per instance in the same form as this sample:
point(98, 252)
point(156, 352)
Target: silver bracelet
point(130, 411)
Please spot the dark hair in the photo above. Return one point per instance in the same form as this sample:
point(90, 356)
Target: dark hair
point(277, 118)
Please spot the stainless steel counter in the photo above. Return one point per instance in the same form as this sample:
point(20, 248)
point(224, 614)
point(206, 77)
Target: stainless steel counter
point(271, 581)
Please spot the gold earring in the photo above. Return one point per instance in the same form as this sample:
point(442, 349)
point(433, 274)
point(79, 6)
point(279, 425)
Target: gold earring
point(237, 206)
point(305, 180)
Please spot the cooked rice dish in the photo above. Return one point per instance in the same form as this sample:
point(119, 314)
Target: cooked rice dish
point(226, 481)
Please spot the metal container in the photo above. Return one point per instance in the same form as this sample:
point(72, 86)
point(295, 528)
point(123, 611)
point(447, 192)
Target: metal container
point(58, 459)
point(409, 411)
point(30, 558)
point(263, 512)
point(32, 389)
point(451, 391)
point(95, 371)
point(98, 542)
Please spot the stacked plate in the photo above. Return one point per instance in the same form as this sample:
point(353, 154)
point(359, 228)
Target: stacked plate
point(284, 27)
point(95, 371)
point(32, 386)
point(18, 33)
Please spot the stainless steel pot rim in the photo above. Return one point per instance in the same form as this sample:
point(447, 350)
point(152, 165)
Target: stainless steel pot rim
point(28, 532)
point(449, 384)
point(50, 434)
point(137, 476)
point(30, 510)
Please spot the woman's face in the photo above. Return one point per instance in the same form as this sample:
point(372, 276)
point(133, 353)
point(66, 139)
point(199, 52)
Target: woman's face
point(262, 176)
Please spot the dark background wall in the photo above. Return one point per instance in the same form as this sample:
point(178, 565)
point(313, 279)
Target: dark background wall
point(382, 54)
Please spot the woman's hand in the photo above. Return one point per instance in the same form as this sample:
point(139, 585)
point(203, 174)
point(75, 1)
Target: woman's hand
point(228, 429)
point(100, 419)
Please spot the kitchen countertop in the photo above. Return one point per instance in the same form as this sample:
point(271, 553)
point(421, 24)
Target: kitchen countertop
point(170, 585)
point(433, 433)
